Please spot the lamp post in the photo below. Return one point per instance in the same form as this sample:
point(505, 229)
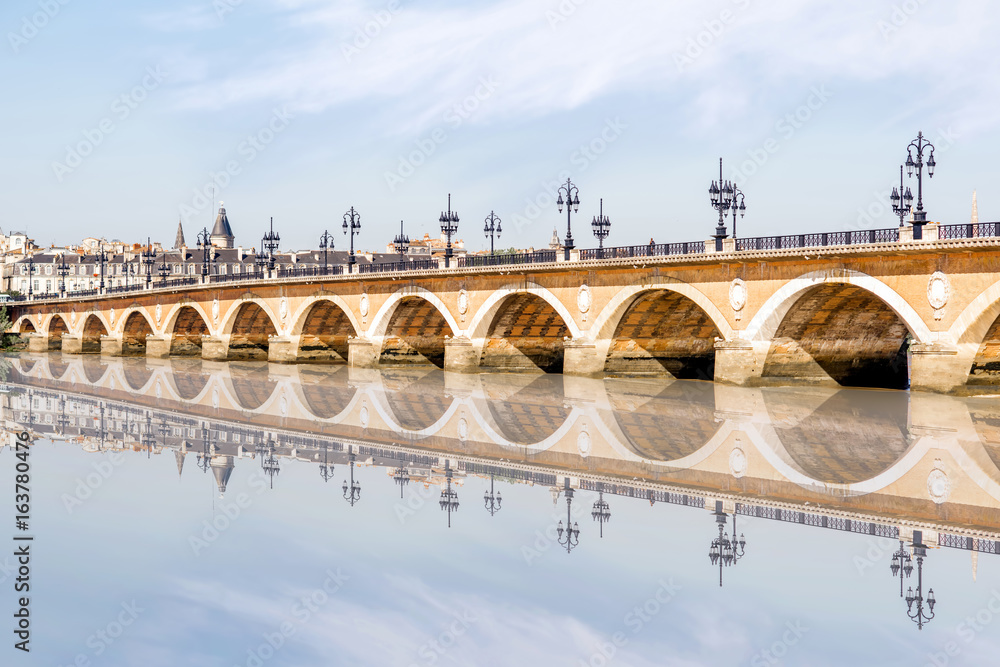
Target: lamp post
point(147, 437)
point(601, 512)
point(401, 476)
point(325, 469)
point(31, 272)
point(739, 206)
point(901, 565)
point(401, 243)
point(902, 200)
point(148, 259)
point(491, 500)
point(205, 457)
point(164, 269)
point(572, 203)
point(917, 148)
point(449, 499)
point(602, 227)
point(492, 228)
point(260, 260)
point(352, 224)
point(724, 551)
point(916, 613)
point(205, 243)
point(449, 226)
point(326, 243)
point(271, 466)
point(271, 242)
point(352, 493)
point(102, 258)
point(568, 536)
point(63, 270)
point(721, 194)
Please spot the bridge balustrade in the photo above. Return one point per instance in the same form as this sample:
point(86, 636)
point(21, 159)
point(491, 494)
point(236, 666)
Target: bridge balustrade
point(386, 267)
point(537, 257)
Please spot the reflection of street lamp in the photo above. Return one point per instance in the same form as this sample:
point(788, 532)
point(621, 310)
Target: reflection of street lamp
point(449, 499)
point(724, 551)
point(901, 565)
point(401, 476)
point(492, 501)
point(205, 457)
point(601, 512)
point(271, 466)
point(917, 614)
point(352, 493)
point(325, 469)
point(572, 529)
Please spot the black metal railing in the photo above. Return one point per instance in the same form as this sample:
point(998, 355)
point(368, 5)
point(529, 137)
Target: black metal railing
point(235, 277)
point(405, 265)
point(969, 543)
point(969, 231)
point(125, 288)
point(850, 237)
point(308, 271)
point(505, 259)
point(648, 250)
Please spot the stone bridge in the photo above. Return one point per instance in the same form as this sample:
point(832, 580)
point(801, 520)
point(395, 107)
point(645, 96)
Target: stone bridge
point(879, 314)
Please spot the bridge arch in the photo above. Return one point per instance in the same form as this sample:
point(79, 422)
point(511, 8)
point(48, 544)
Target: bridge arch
point(411, 328)
point(324, 324)
point(25, 325)
point(977, 333)
point(250, 324)
point(655, 327)
point(841, 327)
point(56, 328)
point(135, 326)
point(186, 323)
point(92, 327)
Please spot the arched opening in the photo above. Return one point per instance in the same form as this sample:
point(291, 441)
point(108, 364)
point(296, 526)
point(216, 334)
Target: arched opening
point(252, 386)
point(417, 398)
point(526, 334)
point(325, 332)
point(249, 337)
point(137, 375)
point(26, 327)
point(641, 412)
point(188, 378)
point(526, 409)
point(93, 329)
point(94, 369)
point(415, 334)
point(57, 327)
point(986, 366)
point(189, 327)
point(326, 392)
point(134, 335)
point(843, 334)
point(664, 331)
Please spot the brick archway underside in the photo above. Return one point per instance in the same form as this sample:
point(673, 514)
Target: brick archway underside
point(526, 334)
point(251, 329)
point(325, 333)
point(415, 334)
point(189, 327)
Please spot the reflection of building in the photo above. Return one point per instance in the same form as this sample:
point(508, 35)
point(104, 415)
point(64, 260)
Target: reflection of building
point(222, 469)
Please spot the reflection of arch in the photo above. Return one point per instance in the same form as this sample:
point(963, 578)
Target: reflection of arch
point(137, 375)
point(186, 329)
point(94, 369)
point(134, 332)
point(662, 329)
point(57, 368)
point(325, 394)
point(93, 329)
point(325, 327)
point(415, 332)
point(57, 327)
point(529, 414)
point(526, 332)
point(841, 332)
point(251, 385)
point(690, 408)
point(416, 403)
point(187, 379)
point(250, 328)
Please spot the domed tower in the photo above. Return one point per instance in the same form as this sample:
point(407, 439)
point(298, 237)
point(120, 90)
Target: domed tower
point(222, 469)
point(222, 233)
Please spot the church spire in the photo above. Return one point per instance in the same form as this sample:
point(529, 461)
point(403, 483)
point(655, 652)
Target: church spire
point(179, 241)
point(975, 209)
point(179, 455)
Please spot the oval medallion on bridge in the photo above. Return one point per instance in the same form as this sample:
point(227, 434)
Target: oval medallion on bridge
point(72, 317)
point(112, 317)
point(737, 462)
point(938, 290)
point(583, 444)
point(283, 309)
point(159, 314)
point(364, 304)
point(363, 416)
point(215, 311)
point(463, 302)
point(583, 300)
point(215, 397)
point(463, 429)
point(737, 294)
point(938, 486)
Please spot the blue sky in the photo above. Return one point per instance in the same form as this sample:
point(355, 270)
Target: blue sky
point(492, 102)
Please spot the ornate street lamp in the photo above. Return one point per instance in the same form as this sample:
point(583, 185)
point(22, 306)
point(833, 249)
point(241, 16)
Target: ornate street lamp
point(263, 449)
point(902, 200)
point(491, 500)
point(602, 227)
point(901, 565)
point(326, 243)
point(352, 224)
point(572, 204)
point(63, 270)
point(492, 228)
point(401, 476)
point(205, 457)
point(164, 269)
point(271, 466)
point(568, 536)
point(260, 260)
point(271, 242)
point(449, 226)
point(401, 243)
point(916, 613)
point(917, 148)
point(325, 469)
point(722, 194)
point(739, 206)
point(147, 437)
point(449, 499)
point(352, 493)
point(148, 260)
point(102, 258)
point(205, 243)
point(724, 551)
point(601, 512)
point(31, 272)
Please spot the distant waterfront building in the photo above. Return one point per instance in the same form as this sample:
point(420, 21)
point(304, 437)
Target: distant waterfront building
point(428, 247)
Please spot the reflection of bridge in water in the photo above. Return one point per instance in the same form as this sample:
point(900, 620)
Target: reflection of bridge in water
point(870, 462)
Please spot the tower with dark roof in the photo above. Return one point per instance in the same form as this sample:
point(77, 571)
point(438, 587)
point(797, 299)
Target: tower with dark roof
point(222, 233)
